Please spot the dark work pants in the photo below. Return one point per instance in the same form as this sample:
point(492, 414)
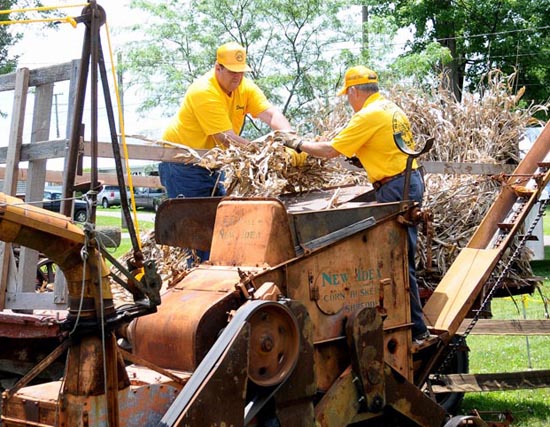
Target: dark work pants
point(392, 191)
point(184, 180)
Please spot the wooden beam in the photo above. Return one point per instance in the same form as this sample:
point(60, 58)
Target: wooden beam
point(465, 168)
point(465, 383)
point(56, 177)
point(58, 149)
point(39, 76)
point(507, 327)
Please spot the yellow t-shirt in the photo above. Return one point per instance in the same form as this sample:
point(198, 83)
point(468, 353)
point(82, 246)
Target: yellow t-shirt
point(206, 110)
point(369, 136)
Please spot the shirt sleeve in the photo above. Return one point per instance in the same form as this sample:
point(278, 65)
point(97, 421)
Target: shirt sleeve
point(360, 129)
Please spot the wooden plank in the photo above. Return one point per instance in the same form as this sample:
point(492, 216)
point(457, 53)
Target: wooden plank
point(507, 327)
point(493, 382)
point(38, 76)
point(12, 165)
point(465, 168)
point(41, 121)
point(56, 177)
point(457, 291)
point(58, 149)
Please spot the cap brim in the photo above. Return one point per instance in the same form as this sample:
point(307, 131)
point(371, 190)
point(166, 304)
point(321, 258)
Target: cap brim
point(342, 91)
point(238, 68)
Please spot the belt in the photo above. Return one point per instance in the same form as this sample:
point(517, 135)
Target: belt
point(384, 181)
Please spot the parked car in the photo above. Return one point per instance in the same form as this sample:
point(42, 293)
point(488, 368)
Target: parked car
point(52, 202)
point(149, 198)
point(109, 195)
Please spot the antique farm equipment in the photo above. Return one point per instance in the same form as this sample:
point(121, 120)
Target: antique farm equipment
point(300, 317)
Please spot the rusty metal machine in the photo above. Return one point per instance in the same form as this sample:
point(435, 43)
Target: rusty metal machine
point(300, 318)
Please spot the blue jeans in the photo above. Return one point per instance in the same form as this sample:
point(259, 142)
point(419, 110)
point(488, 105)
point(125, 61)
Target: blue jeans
point(392, 191)
point(184, 180)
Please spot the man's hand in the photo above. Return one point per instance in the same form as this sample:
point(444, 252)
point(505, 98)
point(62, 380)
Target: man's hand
point(288, 139)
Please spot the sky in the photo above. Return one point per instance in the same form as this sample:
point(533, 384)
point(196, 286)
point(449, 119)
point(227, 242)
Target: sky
point(43, 47)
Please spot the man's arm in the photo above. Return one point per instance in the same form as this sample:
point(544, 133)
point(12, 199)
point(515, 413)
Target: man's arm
point(321, 149)
point(274, 119)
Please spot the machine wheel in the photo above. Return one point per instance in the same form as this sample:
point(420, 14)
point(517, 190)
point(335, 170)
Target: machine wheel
point(274, 345)
point(458, 365)
point(465, 420)
point(105, 203)
point(45, 273)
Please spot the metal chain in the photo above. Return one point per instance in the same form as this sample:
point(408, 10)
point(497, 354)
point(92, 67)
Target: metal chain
point(515, 255)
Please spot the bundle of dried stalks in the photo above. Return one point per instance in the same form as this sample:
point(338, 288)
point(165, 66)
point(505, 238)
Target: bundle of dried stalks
point(485, 127)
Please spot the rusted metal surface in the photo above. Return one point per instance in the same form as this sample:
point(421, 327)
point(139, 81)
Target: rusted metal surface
point(411, 402)
point(340, 404)
point(188, 321)
point(337, 280)
point(294, 399)
point(186, 222)
point(141, 405)
point(366, 338)
point(274, 345)
point(251, 233)
point(23, 326)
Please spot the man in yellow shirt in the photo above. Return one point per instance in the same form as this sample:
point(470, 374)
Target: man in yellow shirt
point(369, 137)
point(212, 114)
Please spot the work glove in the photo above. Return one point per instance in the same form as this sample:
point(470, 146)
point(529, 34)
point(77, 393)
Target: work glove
point(288, 139)
point(296, 159)
point(354, 160)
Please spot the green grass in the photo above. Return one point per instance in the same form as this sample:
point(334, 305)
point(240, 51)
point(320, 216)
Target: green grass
point(125, 242)
point(530, 408)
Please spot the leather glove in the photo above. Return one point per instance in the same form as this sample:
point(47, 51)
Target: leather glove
point(354, 161)
point(296, 159)
point(288, 139)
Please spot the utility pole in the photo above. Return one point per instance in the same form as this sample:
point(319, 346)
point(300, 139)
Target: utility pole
point(58, 134)
point(365, 32)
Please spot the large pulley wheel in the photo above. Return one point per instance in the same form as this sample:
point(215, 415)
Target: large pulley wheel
point(274, 345)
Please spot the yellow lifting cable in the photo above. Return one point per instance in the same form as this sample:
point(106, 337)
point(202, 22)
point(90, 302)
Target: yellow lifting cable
point(67, 19)
point(123, 137)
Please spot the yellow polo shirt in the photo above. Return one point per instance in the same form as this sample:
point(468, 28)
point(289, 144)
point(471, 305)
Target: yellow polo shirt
point(206, 110)
point(369, 136)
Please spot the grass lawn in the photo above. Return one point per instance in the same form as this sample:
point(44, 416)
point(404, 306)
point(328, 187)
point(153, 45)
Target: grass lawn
point(530, 408)
point(115, 221)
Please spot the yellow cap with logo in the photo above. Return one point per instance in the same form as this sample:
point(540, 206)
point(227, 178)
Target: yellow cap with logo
point(233, 57)
point(358, 75)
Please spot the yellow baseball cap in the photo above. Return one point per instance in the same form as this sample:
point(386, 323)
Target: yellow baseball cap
point(233, 57)
point(358, 75)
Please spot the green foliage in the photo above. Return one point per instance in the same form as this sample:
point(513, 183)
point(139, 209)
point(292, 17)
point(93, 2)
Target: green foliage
point(481, 35)
point(293, 49)
point(11, 34)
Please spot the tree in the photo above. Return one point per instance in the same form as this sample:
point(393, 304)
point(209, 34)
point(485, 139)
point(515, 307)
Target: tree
point(9, 35)
point(294, 49)
point(480, 35)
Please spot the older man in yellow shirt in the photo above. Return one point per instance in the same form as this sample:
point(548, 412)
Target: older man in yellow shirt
point(369, 137)
point(212, 114)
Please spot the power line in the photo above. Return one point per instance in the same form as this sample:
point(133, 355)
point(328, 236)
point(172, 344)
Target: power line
point(498, 33)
